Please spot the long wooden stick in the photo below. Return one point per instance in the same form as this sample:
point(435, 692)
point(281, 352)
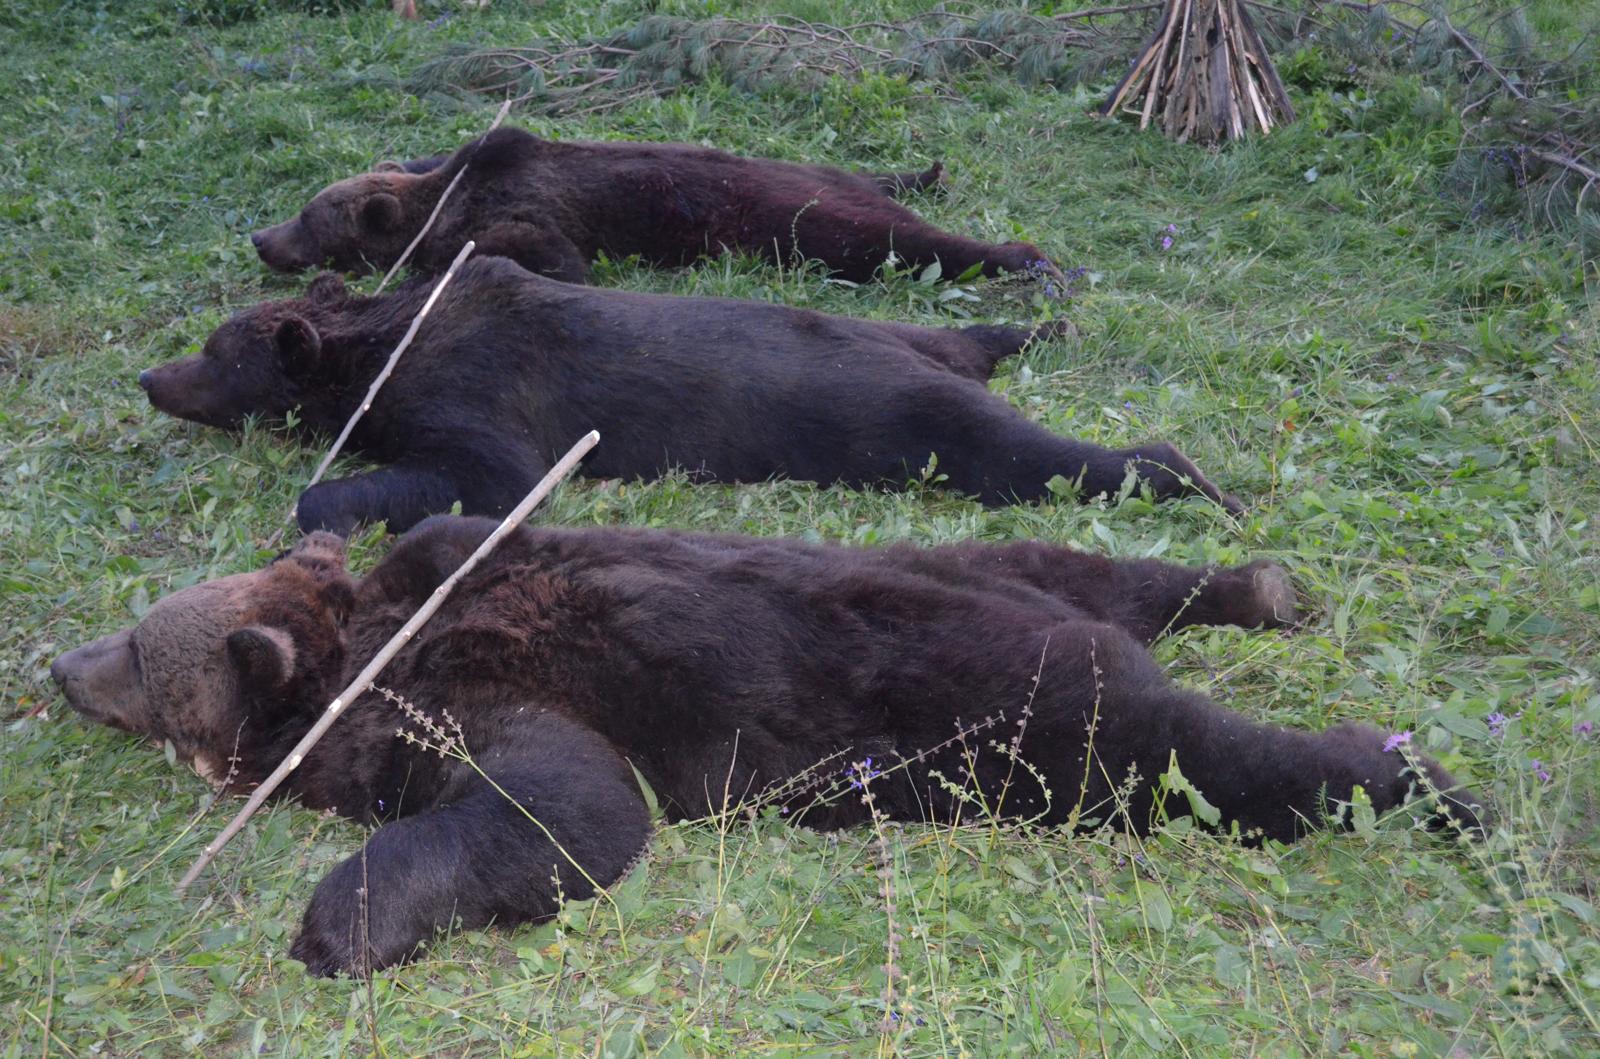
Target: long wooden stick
point(505, 108)
point(394, 358)
point(396, 643)
point(1156, 72)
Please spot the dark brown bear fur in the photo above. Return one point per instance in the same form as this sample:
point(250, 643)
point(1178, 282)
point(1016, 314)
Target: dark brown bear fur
point(710, 664)
point(553, 207)
point(511, 368)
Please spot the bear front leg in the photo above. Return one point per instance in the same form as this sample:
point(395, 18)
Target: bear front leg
point(536, 248)
point(401, 496)
point(563, 815)
point(487, 475)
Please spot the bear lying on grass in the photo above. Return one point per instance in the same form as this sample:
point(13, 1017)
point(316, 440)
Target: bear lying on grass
point(511, 368)
point(775, 670)
point(553, 207)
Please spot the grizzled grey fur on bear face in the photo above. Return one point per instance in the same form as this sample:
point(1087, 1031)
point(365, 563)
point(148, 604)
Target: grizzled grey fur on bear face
point(553, 207)
point(707, 663)
point(511, 368)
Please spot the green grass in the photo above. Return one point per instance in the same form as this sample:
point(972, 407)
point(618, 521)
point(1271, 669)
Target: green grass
point(1406, 399)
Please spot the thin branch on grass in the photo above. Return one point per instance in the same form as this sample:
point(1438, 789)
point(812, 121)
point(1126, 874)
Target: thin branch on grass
point(396, 643)
point(1570, 164)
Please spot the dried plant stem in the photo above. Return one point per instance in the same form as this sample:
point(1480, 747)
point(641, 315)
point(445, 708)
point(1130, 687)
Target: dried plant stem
point(396, 643)
point(505, 108)
point(388, 368)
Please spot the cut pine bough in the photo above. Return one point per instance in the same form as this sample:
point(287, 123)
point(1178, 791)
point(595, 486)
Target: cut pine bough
point(1204, 76)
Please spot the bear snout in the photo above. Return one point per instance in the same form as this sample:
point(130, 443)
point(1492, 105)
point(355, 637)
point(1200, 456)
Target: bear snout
point(282, 248)
point(61, 670)
point(188, 389)
point(94, 678)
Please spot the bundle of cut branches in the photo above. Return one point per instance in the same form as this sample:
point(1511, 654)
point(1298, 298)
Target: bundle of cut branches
point(1204, 76)
point(662, 54)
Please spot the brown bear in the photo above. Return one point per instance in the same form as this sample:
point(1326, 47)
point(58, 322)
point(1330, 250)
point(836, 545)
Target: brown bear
point(553, 207)
point(782, 672)
point(511, 368)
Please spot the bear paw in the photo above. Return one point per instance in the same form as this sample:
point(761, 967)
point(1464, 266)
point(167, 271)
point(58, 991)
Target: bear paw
point(346, 930)
point(1273, 598)
point(324, 956)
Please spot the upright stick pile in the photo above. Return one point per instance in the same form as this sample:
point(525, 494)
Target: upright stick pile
point(1203, 76)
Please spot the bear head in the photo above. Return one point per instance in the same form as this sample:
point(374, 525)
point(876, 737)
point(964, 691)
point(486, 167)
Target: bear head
point(355, 225)
point(255, 364)
point(218, 667)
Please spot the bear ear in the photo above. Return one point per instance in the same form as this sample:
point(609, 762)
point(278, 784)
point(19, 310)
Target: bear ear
point(389, 165)
point(298, 342)
point(380, 212)
point(327, 288)
point(263, 655)
point(320, 547)
point(503, 148)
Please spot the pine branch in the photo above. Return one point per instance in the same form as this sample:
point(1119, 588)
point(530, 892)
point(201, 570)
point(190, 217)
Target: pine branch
point(659, 55)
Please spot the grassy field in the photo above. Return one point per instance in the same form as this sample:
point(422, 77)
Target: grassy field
point(1405, 397)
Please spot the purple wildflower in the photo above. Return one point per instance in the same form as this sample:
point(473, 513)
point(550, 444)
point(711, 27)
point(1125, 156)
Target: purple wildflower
point(1497, 722)
point(1396, 741)
point(1043, 270)
point(861, 774)
point(1583, 728)
point(1166, 242)
point(1172, 229)
point(1540, 771)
